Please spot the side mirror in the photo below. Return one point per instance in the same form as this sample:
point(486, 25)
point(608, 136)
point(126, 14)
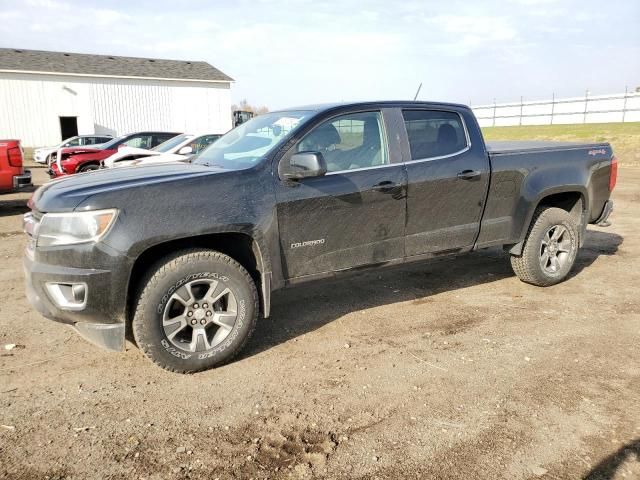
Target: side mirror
point(185, 150)
point(305, 165)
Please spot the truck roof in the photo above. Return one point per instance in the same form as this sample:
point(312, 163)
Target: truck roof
point(319, 107)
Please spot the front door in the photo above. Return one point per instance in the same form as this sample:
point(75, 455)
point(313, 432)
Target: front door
point(447, 183)
point(68, 127)
point(355, 214)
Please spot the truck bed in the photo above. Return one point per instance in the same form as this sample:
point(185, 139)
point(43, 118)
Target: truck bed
point(522, 172)
point(509, 146)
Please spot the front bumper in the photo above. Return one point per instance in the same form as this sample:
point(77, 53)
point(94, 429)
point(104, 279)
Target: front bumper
point(22, 181)
point(54, 171)
point(97, 320)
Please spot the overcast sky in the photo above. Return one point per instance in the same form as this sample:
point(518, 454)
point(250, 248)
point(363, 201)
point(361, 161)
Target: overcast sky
point(291, 52)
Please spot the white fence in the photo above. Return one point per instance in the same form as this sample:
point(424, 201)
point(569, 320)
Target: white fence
point(623, 107)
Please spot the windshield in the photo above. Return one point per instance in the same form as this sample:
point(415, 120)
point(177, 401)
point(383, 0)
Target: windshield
point(164, 147)
point(246, 144)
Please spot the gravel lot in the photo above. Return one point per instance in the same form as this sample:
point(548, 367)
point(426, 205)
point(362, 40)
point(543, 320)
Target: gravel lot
point(451, 369)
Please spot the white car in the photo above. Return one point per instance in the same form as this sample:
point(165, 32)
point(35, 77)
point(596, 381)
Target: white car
point(41, 155)
point(178, 148)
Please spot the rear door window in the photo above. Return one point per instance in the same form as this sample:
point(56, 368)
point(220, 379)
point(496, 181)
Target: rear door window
point(434, 133)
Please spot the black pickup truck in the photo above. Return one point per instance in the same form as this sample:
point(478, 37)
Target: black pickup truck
point(185, 256)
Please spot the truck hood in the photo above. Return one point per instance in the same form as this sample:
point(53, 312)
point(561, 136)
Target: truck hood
point(65, 194)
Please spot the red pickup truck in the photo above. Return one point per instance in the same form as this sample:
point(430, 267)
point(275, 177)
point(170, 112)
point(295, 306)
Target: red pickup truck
point(12, 173)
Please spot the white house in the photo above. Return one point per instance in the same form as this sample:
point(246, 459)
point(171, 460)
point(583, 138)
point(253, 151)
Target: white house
point(48, 96)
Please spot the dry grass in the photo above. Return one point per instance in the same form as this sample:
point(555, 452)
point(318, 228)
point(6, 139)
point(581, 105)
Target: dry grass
point(624, 137)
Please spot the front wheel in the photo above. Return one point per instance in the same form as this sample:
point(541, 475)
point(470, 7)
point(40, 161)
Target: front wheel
point(550, 248)
point(88, 168)
point(196, 311)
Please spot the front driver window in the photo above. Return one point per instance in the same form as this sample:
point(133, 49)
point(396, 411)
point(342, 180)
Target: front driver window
point(348, 142)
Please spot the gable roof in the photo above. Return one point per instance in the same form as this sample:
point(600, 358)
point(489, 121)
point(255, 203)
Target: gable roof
point(19, 60)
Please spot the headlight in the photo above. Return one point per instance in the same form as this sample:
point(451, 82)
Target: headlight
point(74, 227)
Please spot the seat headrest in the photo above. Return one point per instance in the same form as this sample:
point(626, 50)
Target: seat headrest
point(447, 135)
point(323, 136)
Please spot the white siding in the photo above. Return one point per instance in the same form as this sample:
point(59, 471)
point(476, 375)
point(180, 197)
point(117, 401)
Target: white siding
point(30, 105)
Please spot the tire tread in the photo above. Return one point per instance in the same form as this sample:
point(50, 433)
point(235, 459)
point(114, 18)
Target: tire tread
point(163, 268)
point(525, 264)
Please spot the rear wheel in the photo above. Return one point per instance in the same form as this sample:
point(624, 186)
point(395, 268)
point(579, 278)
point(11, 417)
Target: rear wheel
point(550, 248)
point(196, 311)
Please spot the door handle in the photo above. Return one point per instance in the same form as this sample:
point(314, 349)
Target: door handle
point(469, 174)
point(385, 187)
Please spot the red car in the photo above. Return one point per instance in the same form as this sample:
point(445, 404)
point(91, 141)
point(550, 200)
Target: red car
point(12, 173)
point(84, 159)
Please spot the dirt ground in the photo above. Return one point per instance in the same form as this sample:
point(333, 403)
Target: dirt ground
point(451, 369)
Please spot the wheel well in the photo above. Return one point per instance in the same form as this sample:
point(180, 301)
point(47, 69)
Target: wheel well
point(572, 202)
point(84, 165)
point(239, 246)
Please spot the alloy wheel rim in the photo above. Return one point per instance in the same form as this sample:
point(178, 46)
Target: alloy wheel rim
point(555, 250)
point(200, 315)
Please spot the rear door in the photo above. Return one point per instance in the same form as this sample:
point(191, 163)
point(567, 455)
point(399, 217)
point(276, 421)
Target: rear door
point(352, 216)
point(447, 182)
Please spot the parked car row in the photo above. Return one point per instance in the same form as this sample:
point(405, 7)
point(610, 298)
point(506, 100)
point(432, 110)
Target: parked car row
point(84, 153)
point(41, 155)
point(128, 150)
point(179, 148)
point(72, 160)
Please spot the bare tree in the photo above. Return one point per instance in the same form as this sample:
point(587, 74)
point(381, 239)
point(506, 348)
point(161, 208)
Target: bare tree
point(245, 106)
